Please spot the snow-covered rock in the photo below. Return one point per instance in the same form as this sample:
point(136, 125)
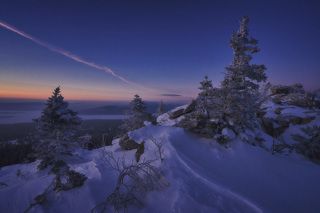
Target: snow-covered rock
point(228, 133)
point(166, 118)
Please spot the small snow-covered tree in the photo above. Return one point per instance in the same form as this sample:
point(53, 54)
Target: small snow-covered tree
point(136, 115)
point(204, 96)
point(160, 109)
point(205, 86)
point(137, 105)
point(57, 120)
point(241, 82)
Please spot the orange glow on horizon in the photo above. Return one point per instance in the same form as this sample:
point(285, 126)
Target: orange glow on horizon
point(43, 92)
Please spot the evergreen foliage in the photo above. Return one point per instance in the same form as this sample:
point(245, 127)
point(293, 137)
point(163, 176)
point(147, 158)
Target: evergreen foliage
point(235, 105)
point(137, 115)
point(204, 95)
point(57, 120)
point(241, 82)
point(160, 109)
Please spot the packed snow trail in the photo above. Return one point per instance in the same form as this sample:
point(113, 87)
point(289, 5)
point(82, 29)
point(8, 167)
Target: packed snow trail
point(222, 192)
point(196, 193)
point(242, 173)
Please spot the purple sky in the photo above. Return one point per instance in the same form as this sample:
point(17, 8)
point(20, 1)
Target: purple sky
point(110, 50)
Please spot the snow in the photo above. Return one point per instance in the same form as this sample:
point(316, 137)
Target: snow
point(164, 119)
point(228, 133)
point(287, 110)
point(203, 175)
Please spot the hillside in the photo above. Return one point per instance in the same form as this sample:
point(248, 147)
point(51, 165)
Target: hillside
point(196, 174)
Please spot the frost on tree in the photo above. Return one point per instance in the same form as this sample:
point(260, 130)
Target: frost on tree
point(235, 104)
point(160, 109)
point(241, 82)
point(136, 115)
point(204, 96)
point(57, 120)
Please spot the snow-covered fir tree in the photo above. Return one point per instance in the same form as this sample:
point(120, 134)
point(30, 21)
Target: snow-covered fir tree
point(160, 109)
point(234, 105)
point(57, 120)
point(204, 96)
point(137, 105)
point(136, 115)
point(241, 82)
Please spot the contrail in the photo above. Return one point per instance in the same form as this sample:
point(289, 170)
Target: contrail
point(65, 53)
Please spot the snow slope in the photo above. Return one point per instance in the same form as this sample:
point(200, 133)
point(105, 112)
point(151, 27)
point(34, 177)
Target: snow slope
point(203, 175)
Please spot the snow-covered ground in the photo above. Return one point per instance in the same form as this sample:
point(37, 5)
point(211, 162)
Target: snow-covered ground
point(203, 176)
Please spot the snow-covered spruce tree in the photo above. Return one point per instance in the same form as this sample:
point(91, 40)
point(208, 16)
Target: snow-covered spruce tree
point(199, 118)
point(160, 109)
point(57, 120)
point(136, 115)
point(241, 82)
point(234, 105)
point(204, 96)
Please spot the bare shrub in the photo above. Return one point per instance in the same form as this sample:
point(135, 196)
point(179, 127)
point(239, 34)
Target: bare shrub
point(133, 182)
point(159, 144)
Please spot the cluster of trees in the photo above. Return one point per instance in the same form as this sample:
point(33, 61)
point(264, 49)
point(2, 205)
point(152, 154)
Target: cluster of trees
point(58, 124)
point(235, 104)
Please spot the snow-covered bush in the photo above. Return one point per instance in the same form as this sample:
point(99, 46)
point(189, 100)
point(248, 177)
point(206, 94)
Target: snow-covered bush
point(285, 90)
point(137, 115)
point(96, 141)
point(294, 95)
point(65, 178)
point(309, 143)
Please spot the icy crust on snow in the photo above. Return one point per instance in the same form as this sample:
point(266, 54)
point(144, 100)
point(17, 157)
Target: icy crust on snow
point(203, 176)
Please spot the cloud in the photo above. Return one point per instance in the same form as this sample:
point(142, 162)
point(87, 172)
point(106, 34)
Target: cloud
point(171, 95)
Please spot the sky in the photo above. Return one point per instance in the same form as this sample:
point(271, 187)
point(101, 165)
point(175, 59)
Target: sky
point(158, 49)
